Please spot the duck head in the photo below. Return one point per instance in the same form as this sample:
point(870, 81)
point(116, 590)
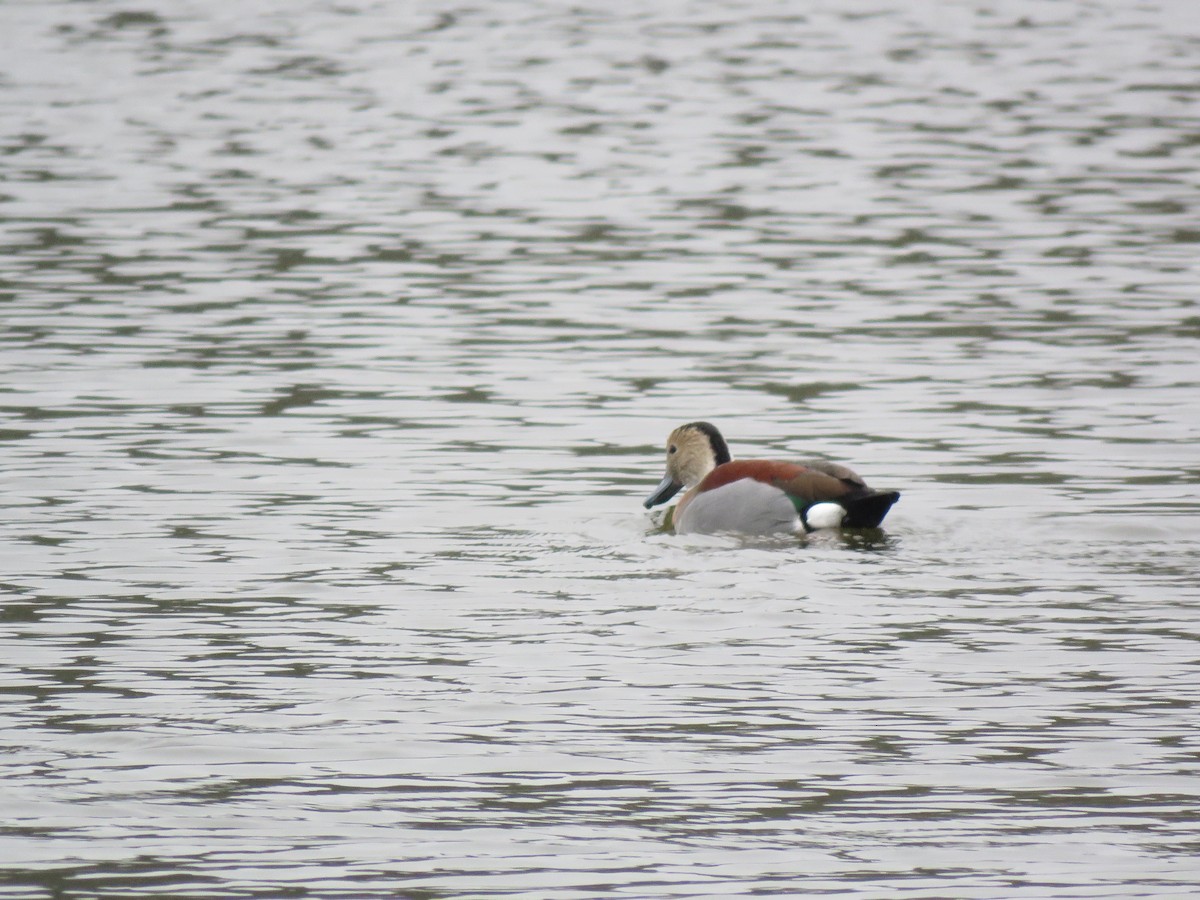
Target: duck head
point(693, 450)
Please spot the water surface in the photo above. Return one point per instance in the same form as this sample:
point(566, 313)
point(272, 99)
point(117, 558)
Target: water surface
point(339, 344)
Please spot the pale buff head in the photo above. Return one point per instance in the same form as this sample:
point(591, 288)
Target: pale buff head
point(693, 450)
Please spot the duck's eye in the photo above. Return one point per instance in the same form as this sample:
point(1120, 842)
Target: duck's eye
point(672, 449)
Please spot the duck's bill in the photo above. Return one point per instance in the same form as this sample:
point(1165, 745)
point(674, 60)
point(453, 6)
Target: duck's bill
point(666, 489)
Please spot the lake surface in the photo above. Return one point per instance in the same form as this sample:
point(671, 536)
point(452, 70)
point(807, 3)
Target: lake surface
point(339, 344)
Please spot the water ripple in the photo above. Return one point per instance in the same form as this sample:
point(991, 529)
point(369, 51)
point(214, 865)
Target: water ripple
point(339, 347)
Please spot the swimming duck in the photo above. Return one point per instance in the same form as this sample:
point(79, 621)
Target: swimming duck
point(759, 496)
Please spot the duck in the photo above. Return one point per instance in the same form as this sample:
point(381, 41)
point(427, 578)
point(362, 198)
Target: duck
point(760, 496)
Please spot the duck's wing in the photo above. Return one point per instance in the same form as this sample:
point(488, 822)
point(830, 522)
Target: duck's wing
point(865, 508)
point(849, 478)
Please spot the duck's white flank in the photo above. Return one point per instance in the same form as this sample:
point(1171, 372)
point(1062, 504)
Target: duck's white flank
point(825, 515)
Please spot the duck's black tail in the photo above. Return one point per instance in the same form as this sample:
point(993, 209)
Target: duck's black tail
point(868, 510)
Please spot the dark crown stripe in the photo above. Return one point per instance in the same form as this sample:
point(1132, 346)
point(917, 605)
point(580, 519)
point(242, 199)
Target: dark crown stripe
point(719, 447)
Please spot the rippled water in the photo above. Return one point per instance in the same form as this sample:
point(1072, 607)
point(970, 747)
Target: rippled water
point(339, 344)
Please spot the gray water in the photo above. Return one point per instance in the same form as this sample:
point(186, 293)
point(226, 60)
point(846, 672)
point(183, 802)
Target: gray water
point(339, 343)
